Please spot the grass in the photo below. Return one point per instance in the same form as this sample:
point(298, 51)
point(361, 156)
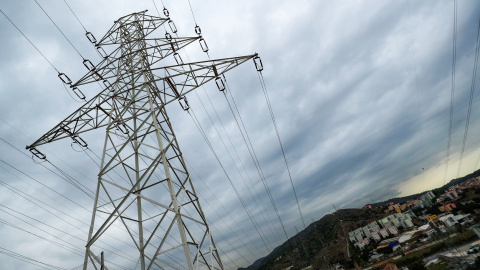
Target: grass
point(458, 240)
point(439, 266)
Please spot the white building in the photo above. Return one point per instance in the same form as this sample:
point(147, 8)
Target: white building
point(449, 220)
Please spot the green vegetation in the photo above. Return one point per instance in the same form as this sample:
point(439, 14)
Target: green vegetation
point(439, 266)
point(458, 240)
point(323, 243)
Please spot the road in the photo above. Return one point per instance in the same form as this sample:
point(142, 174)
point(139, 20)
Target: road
point(460, 251)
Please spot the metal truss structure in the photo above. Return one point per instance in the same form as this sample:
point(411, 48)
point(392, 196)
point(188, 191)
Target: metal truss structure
point(145, 196)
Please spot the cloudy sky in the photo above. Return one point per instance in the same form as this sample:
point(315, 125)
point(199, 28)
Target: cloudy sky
point(360, 90)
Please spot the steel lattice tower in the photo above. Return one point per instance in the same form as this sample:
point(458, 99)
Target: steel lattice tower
point(145, 196)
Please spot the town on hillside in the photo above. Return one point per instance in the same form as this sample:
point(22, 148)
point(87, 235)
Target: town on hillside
point(437, 229)
point(428, 232)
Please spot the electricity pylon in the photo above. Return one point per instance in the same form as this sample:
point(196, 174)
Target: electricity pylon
point(145, 197)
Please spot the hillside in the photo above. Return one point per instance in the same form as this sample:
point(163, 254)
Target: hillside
point(308, 245)
point(436, 191)
point(323, 242)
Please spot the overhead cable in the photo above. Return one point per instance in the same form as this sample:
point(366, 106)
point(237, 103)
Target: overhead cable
point(452, 92)
point(75, 15)
point(29, 260)
point(233, 161)
point(73, 46)
point(29, 41)
point(422, 148)
point(195, 120)
point(198, 31)
point(262, 81)
point(259, 169)
point(472, 90)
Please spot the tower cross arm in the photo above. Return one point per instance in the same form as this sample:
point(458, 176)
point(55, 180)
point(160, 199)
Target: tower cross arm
point(92, 115)
point(180, 80)
point(147, 22)
point(108, 107)
point(157, 49)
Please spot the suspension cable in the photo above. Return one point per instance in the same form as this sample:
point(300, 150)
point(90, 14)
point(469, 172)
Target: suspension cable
point(29, 260)
point(30, 41)
point(56, 229)
point(42, 201)
point(13, 190)
point(211, 147)
point(228, 137)
point(226, 211)
point(76, 91)
point(73, 46)
point(241, 163)
point(75, 15)
point(259, 169)
point(65, 176)
point(419, 109)
point(195, 120)
point(191, 9)
point(265, 92)
point(101, 199)
point(452, 92)
point(472, 90)
point(233, 161)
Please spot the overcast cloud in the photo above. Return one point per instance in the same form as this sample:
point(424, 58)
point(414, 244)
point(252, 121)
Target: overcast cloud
point(360, 91)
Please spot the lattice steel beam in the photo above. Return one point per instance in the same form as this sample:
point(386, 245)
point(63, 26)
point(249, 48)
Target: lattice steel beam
point(144, 186)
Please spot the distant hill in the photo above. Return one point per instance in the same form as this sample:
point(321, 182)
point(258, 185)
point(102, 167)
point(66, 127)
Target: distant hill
point(437, 191)
point(308, 245)
point(456, 182)
point(397, 200)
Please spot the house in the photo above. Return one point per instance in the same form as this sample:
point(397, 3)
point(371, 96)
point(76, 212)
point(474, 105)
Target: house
point(390, 266)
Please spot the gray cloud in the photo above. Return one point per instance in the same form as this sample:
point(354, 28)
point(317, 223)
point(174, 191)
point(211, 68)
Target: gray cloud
point(341, 78)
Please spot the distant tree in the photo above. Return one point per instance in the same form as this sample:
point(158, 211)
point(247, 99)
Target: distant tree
point(468, 208)
point(387, 250)
point(418, 265)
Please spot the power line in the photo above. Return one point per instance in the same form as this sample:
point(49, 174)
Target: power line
point(56, 192)
point(56, 229)
point(65, 176)
point(8, 143)
point(231, 157)
point(153, 1)
point(255, 161)
point(27, 196)
point(422, 148)
point(211, 147)
point(41, 201)
point(73, 250)
point(29, 260)
point(29, 41)
point(197, 124)
point(254, 158)
point(472, 90)
point(452, 92)
point(62, 76)
point(75, 48)
point(191, 9)
point(262, 81)
point(226, 211)
point(11, 188)
point(75, 15)
point(198, 31)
